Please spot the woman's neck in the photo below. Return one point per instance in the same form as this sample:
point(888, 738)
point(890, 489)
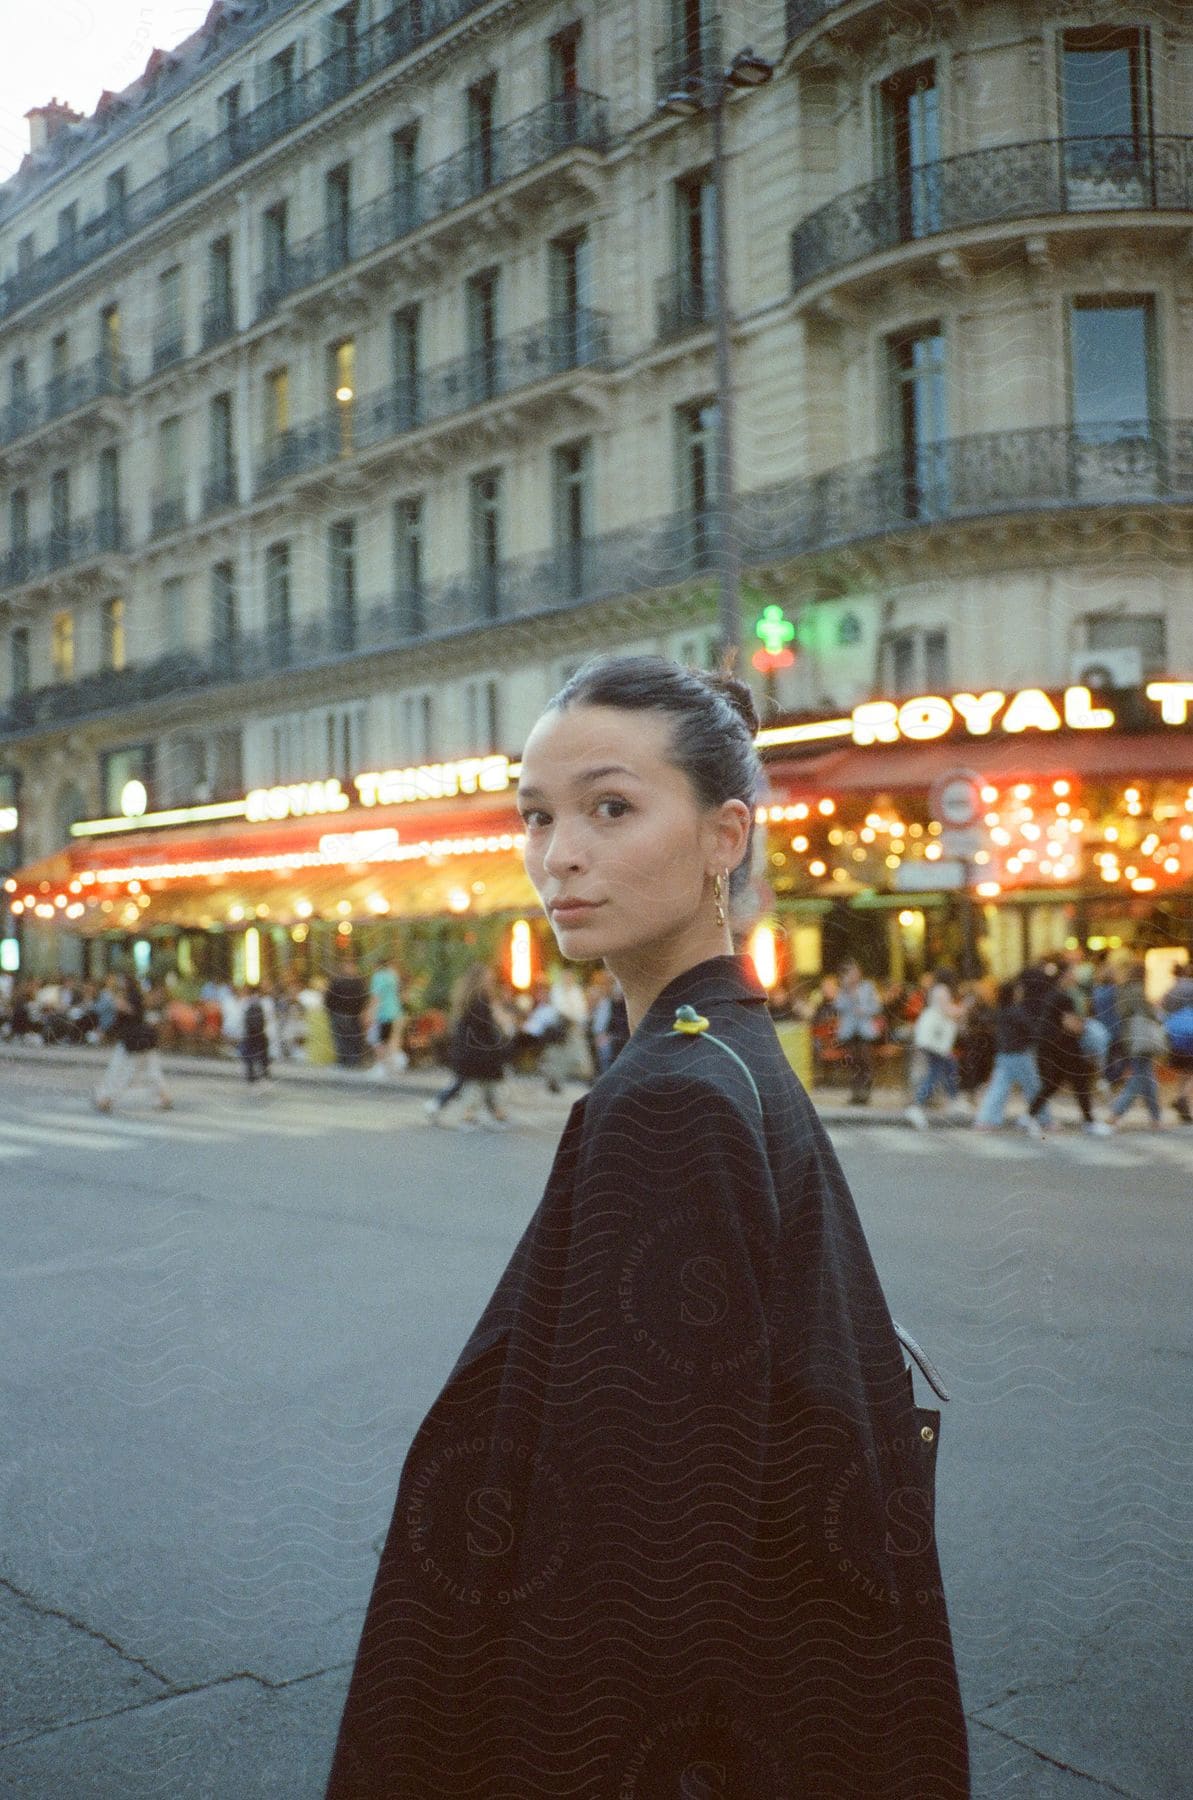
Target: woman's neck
point(643, 973)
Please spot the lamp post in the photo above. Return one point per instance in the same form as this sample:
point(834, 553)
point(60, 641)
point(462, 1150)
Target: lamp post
point(707, 92)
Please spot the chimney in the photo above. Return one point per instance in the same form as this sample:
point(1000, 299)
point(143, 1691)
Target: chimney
point(45, 122)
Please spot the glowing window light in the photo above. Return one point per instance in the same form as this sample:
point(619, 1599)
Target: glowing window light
point(459, 899)
point(907, 918)
point(764, 954)
point(521, 958)
point(303, 909)
point(1187, 832)
point(989, 889)
point(1143, 884)
point(377, 903)
point(236, 914)
point(252, 956)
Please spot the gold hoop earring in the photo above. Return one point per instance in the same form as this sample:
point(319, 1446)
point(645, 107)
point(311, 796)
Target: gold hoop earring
point(718, 896)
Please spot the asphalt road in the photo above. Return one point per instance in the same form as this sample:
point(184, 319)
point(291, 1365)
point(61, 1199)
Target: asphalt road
point(219, 1328)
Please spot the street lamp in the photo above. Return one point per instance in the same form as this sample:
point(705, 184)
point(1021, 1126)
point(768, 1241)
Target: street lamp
point(707, 92)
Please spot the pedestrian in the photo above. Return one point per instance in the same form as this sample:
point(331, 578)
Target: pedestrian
point(478, 1049)
point(346, 998)
point(1014, 1056)
point(547, 1029)
point(1063, 1063)
point(668, 1526)
point(385, 997)
point(1103, 1006)
point(254, 1041)
point(607, 1020)
point(975, 1046)
point(571, 1003)
point(934, 1036)
point(859, 1027)
point(1143, 1039)
point(1177, 1011)
point(135, 1052)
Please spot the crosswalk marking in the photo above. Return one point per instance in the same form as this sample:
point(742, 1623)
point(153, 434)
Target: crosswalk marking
point(52, 1137)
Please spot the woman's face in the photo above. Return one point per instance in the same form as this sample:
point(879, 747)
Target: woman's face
point(611, 820)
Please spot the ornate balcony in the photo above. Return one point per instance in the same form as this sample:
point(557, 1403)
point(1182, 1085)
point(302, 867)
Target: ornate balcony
point(1009, 183)
point(689, 58)
point(100, 379)
point(569, 341)
point(802, 15)
point(575, 121)
point(403, 30)
point(85, 540)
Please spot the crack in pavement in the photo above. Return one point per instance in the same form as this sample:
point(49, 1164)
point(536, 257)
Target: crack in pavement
point(55, 1612)
point(1054, 1762)
point(175, 1693)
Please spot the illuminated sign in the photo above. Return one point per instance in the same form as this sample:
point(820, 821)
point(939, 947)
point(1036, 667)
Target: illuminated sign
point(297, 800)
point(134, 799)
point(9, 818)
point(358, 846)
point(435, 781)
point(929, 716)
point(775, 631)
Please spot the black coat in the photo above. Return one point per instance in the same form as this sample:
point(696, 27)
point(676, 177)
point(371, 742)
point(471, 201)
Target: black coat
point(668, 1527)
point(478, 1045)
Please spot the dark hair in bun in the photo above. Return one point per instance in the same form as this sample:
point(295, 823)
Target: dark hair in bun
point(712, 738)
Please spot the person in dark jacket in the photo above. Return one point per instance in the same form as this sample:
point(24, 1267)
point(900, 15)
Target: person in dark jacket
point(135, 1051)
point(478, 1049)
point(254, 1042)
point(668, 1527)
point(1014, 1056)
point(1062, 1061)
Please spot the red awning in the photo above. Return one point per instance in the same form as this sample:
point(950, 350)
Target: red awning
point(1024, 756)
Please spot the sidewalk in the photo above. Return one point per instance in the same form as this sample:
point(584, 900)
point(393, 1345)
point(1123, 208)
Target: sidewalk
point(886, 1106)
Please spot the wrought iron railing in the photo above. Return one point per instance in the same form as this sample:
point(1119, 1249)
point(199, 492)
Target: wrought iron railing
point(105, 531)
point(985, 187)
point(403, 29)
point(1037, 470)
point(572, 121)
point(168, 349)
point(63, 394)
point(567, 341)
point(683, 303)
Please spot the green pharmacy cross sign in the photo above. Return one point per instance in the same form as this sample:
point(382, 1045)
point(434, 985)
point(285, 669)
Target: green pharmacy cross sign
point(775, 631)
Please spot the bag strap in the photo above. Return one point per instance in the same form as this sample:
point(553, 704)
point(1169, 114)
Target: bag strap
point(927, 1367)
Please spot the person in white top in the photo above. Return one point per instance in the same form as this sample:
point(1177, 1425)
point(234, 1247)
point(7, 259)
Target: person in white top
point(934, 1035)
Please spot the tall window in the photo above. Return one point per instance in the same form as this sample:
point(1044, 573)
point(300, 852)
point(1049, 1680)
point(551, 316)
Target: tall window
point(279, 80)
point(221, 471)
point(167, 346)
point(18, 393)
point(1112, 353)
point(62, 644)
point(914, 661)
point(277, 602)
point(228, 109)
point(118, 767)
point(115, 644)
point(59, 513)
point(570, 276)
point(224, 621)
point(481, 110)
point(691, 42)
point(169, 450)
point(1145, 632)
point(68, 224)
point(219, 315)
point(273, 277)
point(572, 471)
point(563, 66)
point(109, 338)
point(108, 497)
point(1105, 95)
point(341, 381)
point(695, 251)
point(408, 564)
point(59, 369)
point(909, 105)
point(919, 418)
point(116, 194)
point(342, 584)
point(485, 509)
point(696, 451)
point(482, 297)
point(18, 521)
point(18, 660)
point(277, 407)
point(174, 620)
point(337, 212)
point(403, 163)
point(482, 717)
point(404, 335)
point(416, 715)
point(343, 34)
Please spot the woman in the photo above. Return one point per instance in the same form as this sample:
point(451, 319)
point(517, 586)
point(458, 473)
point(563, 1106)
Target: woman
point(859, 1027)
point(135, 1048)
point(1014, 1056)
point(668, 1527)
point(934, 1035)
point(1063, 1063)
point(478, 1048)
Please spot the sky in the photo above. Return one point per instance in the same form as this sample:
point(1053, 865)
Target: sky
point(74, 49)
